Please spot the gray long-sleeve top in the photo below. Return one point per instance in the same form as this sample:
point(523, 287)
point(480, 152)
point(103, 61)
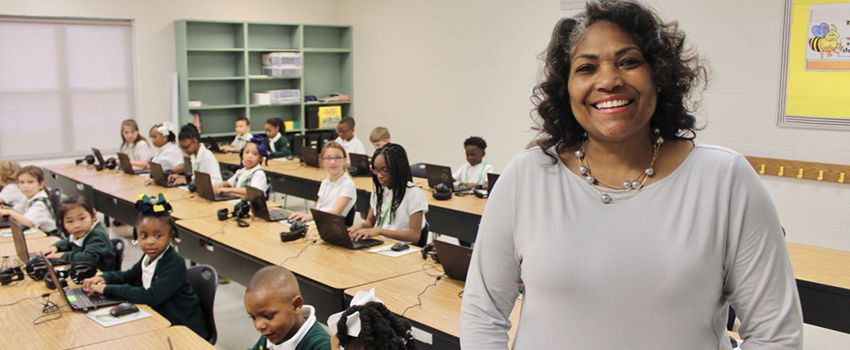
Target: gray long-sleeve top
point(655, 271)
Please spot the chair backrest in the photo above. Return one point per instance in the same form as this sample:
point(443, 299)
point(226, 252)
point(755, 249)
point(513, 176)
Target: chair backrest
point(54, 195)
point(418, 170)
point(204, 281)
point(423, 237)
point(349, 219)
point(119, 244)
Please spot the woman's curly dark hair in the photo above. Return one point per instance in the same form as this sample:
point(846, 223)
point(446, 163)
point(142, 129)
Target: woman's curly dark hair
point(380, 329)
point(676, 72)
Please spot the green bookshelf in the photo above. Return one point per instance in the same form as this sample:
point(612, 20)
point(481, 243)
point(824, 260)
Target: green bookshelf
point(220, 64)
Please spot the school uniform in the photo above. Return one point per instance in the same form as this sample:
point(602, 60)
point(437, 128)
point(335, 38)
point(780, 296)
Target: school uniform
point(94, 247)
point(353, 146)
point(205, 162)
point(168, 156)
point(37, 209)
point(329, 192)
point(277, 146)
point(254, 177)
point(413, 202)
point(163, 286)
point(241, 140)
point(11, 195)
point(473, 174)
point(137, 151)
point(311, 336)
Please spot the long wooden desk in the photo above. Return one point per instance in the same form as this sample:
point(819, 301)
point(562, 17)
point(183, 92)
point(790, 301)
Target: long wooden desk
point(456, 217)
point(439, 312)
point(823, 281)
point(179, 336)
point(324, 271)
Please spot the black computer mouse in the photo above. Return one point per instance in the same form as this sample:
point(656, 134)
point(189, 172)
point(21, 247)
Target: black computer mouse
point(400, 246)
point(123, 309)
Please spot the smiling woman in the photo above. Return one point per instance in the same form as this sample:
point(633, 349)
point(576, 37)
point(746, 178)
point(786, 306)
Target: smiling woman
point(649, 248)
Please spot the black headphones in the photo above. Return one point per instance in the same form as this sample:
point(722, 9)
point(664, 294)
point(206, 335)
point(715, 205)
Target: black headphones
point(297, 230)
point(173, 229)
point(10, 275)
point(80, 270)
point(50, 285)
point(442, 192)
point(429, 250)
point(89, 159)
point(480, 192)
point(110, 163)
point(36, 269)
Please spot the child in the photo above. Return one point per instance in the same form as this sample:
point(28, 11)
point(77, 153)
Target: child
point(251, 174)
point(275, 142)
point(166, 152)
point(36, 207)
point(274, 303)
point(397, 206)
point(243, 136)
point(379, 137)
point(474, 173)
point(10, 195)
point(159, 278)
point(346, 137)
point(132, 142)
point(203, 159)
point(337, 193)
point(87, 238)
point(367, 324)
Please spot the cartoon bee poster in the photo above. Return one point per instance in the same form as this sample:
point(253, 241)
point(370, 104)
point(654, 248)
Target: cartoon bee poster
point(816, 64)
point(828, 37)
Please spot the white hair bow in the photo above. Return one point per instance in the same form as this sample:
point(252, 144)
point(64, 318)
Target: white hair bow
point(353, 320)
point(165, 128)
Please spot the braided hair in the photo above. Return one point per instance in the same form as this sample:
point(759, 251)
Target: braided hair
point(380, 329)
point(156, 207)
point(399, 168)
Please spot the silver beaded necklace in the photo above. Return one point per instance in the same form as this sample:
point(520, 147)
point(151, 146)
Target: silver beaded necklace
point(630, 188)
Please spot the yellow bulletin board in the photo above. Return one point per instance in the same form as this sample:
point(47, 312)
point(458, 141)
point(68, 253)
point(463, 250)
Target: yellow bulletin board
point(815, 91)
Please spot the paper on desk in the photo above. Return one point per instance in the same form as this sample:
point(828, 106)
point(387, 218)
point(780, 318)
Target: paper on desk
point(147, 175)
point(281, 159)
point(103, 317)
point(7, 232)
point(234, 201)
point(289, 223)
point(388, 251)
point(184, 188)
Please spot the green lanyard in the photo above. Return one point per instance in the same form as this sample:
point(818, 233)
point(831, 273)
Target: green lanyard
point(130, 151)
point(156, 155)
point(466, 177)
point(247, 177)
point(386, 212)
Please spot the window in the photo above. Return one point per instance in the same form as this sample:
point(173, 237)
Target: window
point(65, 85)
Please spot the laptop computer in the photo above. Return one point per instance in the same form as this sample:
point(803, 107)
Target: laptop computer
point(205, 189)
point(310, 156)
point(4, 222)
point(258, 206)
point(99, 157)
point(438, 174)
point(76, 298)
point(491, 180)
point(454, 258)
point(359, 164)
point(332, 230)
point(158, 176)
point(21, 249)
point(127, 167)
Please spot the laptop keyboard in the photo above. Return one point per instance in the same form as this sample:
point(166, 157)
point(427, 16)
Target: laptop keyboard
point(87, 301)
point(277, 215)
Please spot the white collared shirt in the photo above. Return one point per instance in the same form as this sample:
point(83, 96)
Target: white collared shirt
point(168, 156)
point(473, 174)
point(273, 140)
point(205, 162)
point(307, 312)
point(241, 141)
point(149, 269)
point(137, 151)
point(39, 212)
point(329, 192)
point(79, 241)
point(413, 202)
point(11, 195)
point(353, 146)
point(254, 177)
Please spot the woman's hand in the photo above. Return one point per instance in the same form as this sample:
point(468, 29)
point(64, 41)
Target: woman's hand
point(54, 255)
point(177, 179)
point(364, 233)
point(53, 249)
point(299, 217)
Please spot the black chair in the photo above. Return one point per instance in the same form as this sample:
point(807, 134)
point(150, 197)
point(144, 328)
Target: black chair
point(204, 281)
point(54, 197)
point(349, 219)
point(119, 244)
point(423, 237)
point(418, 170)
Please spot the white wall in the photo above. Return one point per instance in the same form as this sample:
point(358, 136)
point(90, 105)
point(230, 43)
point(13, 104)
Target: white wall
point(436, 72)
point(154, 33)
